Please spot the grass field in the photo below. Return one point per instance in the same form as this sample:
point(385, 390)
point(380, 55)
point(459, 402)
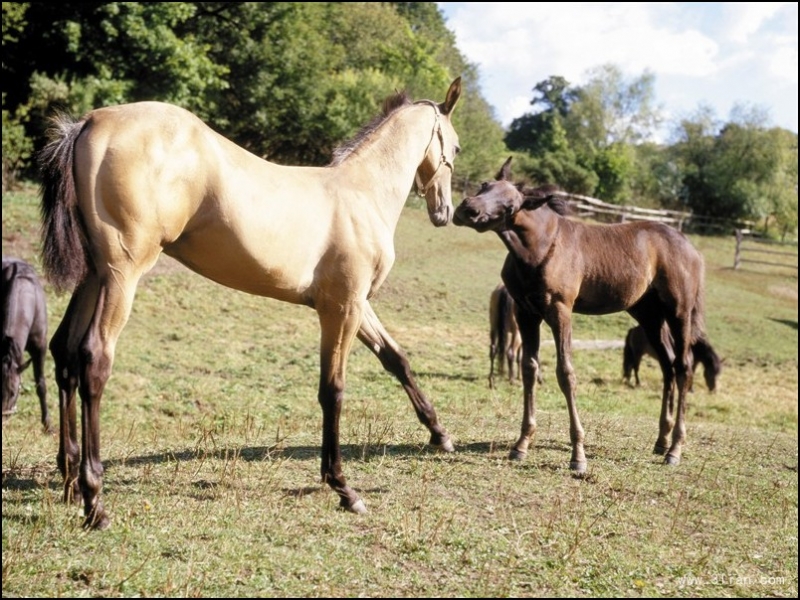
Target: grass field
point(211, 433)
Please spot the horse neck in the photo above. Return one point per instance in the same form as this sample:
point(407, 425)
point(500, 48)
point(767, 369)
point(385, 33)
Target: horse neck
point(383, 166)
point(531, 234)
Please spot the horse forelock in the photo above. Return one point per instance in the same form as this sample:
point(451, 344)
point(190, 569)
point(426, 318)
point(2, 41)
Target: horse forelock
point(391, 104)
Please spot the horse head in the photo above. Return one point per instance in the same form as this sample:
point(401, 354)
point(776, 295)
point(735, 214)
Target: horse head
point(12, 368)
point(498, 201)
point(434, 174)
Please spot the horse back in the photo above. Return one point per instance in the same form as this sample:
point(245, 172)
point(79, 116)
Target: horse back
point(24, 307)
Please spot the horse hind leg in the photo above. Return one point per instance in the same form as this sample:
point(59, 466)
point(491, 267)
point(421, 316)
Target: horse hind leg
point(64, 348)
point(87, 365)
point(681, 364)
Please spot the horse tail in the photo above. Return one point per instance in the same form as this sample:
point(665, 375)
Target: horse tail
point(503, 307)
point(628, 360)
point(701, 347)
point(65, 256)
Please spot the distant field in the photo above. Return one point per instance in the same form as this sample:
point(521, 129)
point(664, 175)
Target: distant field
point(211, 433)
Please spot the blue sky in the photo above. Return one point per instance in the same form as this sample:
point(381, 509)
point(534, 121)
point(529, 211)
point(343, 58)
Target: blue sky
point(715, 54)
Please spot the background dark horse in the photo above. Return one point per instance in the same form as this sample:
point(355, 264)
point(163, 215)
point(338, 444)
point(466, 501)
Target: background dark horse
point(24, 330)
point(637, 346)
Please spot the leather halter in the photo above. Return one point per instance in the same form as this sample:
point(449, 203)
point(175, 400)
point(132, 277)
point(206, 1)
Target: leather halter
point(437, 129)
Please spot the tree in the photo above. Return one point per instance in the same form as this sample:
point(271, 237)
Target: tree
point(740, 169)
point(287, 80)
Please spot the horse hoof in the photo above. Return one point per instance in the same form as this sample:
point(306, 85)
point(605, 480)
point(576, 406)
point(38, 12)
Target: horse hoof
point(97, 522)
point(671, 460)
point(447, 446)
point(577, 467)
point(517, 455)
point(358, 507)
point(660, 450)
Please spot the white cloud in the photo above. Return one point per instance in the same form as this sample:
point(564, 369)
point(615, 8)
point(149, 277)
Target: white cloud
point(712, 53)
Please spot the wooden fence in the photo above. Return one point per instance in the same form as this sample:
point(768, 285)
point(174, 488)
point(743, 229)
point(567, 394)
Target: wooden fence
point(592, 208)
point(746, 243)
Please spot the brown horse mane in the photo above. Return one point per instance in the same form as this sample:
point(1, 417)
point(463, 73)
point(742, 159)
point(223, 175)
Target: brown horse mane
point(390, 105)
point(554, 194)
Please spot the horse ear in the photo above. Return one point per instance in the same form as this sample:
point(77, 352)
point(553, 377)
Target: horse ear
point(504, 174)
point(453, 94)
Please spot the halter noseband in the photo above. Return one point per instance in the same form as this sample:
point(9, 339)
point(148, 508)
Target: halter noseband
point(437, 129)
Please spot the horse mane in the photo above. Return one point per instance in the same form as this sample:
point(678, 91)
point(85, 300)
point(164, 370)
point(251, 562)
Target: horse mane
point(556, 202)
point(394, 102)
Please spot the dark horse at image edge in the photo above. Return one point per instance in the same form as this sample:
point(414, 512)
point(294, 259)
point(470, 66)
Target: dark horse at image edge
point(24, 330)
point(556, 266)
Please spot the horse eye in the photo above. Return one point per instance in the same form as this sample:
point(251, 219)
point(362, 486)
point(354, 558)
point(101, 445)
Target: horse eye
point(456, 150)
point(484, 186)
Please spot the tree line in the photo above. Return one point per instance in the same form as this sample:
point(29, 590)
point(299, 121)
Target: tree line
point(289, 81)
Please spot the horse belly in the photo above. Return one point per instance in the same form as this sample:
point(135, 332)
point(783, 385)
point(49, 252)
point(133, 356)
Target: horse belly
point(603, 301)
point(229, 264)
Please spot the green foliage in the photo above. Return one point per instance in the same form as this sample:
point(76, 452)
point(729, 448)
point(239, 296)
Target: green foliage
point(739, 170)
point(584, 138)
point(17, 149)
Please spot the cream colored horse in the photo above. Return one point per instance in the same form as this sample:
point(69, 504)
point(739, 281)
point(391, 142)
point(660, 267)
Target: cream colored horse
point(126, 183)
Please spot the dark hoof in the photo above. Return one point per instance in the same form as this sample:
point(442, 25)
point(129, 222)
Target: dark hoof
point(671, 460)
point(577, 467)
point(660, 450)
point(517, 455)
point(97, 522)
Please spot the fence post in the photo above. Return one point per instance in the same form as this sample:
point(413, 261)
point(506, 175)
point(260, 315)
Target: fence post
point(736, 259)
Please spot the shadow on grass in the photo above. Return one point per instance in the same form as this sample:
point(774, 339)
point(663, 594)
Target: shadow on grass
point(787, 322)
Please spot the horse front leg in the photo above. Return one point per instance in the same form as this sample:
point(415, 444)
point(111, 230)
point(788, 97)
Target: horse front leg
point(561, 324)
point(529, 325)
point(375, 337)
point(338, 331)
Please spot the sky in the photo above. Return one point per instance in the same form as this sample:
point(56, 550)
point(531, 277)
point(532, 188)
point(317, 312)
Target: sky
point(711, 54)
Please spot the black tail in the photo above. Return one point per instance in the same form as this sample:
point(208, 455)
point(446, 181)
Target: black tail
point(627, 357)
point(712, 364)
point(64, 250)
point(701, 348)
point(498, 326)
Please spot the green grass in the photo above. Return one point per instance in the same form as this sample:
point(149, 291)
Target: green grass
point(211, 433)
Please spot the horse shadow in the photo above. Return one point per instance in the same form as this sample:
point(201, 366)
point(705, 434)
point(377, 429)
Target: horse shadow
point(787, 322)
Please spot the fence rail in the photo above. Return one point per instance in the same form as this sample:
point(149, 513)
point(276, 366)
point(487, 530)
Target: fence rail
point(585, 206)
point(755, 245)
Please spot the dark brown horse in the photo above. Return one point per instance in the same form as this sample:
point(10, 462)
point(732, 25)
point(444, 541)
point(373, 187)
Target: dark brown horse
point(557, 266)
point(24, 330)
point(125, 183)
point(637, 346)
point(505, 341)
